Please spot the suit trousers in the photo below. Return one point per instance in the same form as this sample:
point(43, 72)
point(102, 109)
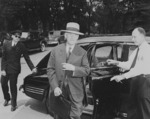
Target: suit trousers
point(139, 104)
point(12, 78)
point(76, 107)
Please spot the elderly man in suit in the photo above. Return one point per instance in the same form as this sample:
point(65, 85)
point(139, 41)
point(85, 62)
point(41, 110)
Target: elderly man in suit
point(68, 65)
point(10, 67)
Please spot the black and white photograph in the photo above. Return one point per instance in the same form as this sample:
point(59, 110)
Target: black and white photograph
point(74, 59)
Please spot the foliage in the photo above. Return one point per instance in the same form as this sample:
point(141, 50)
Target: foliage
point(96, 16)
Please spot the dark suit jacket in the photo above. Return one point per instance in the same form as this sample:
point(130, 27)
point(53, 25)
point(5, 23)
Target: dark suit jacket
point(11, 57)
point(56, 75)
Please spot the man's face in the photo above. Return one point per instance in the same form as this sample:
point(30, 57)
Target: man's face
point(71, 38)
point(137, 37)
point(16, 37)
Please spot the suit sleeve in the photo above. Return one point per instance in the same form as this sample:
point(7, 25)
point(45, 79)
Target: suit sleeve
point(4, 59)
point(51, 72)
point(84, 69)
point(27, 58)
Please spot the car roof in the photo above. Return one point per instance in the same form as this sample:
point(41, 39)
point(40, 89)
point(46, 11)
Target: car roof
point(24, 34)
point(110, 39)
point(56, 32)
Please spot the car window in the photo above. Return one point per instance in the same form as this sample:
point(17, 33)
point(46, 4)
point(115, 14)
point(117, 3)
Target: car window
point(31, 36)
point(24, 34)
point(61, 33)
point(51, 33)
point(101, 55)
point(119, 51)
point(57, 33)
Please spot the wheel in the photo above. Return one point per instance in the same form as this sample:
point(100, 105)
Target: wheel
point(42, 47)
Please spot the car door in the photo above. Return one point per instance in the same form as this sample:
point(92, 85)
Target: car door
point(29, 43)
point(107, 94)
point(33, 42)
point(104, 91)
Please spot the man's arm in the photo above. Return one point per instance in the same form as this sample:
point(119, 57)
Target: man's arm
point(27, 58)
point(51, 71)
point(124, 65)
point(4, 60)
point(84, 69)
point(135, 71)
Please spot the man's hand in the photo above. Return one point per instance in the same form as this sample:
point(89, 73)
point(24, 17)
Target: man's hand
point(57, 91)
point(118, 78)
point(3, 73)
point(122, 69)
point(34, 70)
point(112, 62)
point(67, 66)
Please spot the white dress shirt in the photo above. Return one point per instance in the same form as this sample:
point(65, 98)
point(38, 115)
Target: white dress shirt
point(142, 65)
point(13, 43)
point(68, 47)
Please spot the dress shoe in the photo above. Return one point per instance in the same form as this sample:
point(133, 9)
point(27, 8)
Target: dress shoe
point(13, 108)
point(6, 102)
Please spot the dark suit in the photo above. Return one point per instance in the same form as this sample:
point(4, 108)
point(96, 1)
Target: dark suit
point(11, 65)
point(74, 90)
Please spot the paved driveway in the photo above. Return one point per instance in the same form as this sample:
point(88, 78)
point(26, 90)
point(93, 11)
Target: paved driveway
point(27, 108)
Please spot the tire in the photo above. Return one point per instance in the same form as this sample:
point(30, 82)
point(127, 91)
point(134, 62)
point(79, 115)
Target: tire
point(43, 47)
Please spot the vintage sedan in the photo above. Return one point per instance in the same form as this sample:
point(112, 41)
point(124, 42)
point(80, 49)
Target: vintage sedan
point(33, 40)
point(53, 37)
point(106, 99)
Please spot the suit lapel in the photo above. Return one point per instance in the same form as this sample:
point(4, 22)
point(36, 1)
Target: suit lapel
point(10, 44)
point(62, 57)
point(62, 53)
point(74, 54)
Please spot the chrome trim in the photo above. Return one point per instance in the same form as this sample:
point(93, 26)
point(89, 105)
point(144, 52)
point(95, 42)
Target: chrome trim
point(34, 90)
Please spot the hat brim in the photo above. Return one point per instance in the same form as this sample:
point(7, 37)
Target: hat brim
point(75, 32)
point(16, 32)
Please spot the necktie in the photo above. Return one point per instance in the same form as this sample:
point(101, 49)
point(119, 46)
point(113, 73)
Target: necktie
point(68, 54)
point(135, 58)
point(66, 72)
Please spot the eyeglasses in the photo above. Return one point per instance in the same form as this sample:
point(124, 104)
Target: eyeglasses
point(17, 36)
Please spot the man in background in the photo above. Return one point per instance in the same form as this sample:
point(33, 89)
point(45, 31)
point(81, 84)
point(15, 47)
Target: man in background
point(11, 67)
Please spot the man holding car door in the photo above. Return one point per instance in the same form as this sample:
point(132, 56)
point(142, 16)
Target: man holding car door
point(11, 67)
point(139, 69)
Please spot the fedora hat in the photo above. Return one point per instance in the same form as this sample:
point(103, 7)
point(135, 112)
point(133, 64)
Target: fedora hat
point(73, 27)
point(19, 32)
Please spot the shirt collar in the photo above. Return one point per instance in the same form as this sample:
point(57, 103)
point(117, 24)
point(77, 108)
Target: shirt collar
point(69, 46)
point(142, 45)
point(13, 43)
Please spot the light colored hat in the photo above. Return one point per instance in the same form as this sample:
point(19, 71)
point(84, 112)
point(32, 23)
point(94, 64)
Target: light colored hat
point(73, 27)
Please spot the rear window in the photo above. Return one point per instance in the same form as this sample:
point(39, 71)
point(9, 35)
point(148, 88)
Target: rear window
point(101, 55)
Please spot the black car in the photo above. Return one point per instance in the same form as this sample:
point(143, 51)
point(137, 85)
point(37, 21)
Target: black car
point(55, 37)
point(3, 37)
point(33, 40)
point(106, 99)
